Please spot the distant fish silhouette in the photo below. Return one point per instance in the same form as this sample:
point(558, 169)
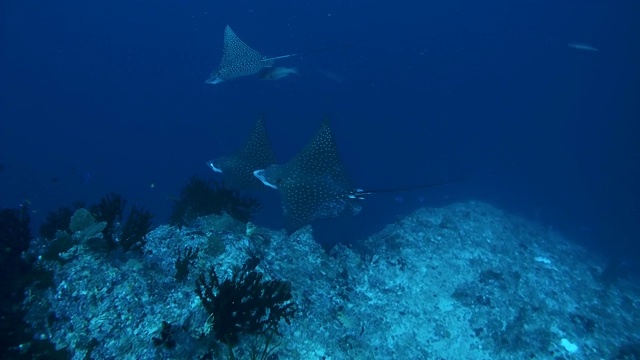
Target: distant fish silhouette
point(238, 169)
point(238, 60)
point(314, 184)
point(277, 72)
point(331, 76)
point(582, 46)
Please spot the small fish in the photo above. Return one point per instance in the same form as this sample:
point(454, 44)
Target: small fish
point(582, 46)
point(277, 72)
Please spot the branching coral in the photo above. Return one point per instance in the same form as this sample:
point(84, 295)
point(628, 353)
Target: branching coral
point(56, 220)
point(131, 237)
point(183, 262)
point(245, 304)
point(109, 210)
point(135, 229)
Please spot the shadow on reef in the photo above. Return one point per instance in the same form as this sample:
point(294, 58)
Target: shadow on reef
point(18, 274)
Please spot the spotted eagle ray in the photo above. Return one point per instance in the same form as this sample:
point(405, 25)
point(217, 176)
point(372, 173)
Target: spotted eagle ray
point(238, 59)
point(314, 184)
point(238, 169)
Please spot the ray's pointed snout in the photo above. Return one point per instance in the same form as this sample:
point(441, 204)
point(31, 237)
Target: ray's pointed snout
point(211, 164)
point(261, 175)
point(213, 80)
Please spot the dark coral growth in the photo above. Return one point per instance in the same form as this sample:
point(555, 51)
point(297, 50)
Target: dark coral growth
point(133, 232)
point(201, 198)
point(59, 219)
point(135, 229)
point(245, 304)
point(56, 220)
point(109, 210)
point(183, 262)
point(64, 222)
point(14, 239)
point(58, 245)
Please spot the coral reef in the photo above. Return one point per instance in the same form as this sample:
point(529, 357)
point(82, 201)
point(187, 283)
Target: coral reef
point(99, 228)
point(466, 281)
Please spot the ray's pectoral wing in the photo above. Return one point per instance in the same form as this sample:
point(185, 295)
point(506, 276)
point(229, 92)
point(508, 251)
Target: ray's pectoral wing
point(306, 201)
point(297, 205)
point(258, 152)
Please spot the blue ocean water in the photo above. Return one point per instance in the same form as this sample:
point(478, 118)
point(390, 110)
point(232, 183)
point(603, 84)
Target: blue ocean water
point(110, 96)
